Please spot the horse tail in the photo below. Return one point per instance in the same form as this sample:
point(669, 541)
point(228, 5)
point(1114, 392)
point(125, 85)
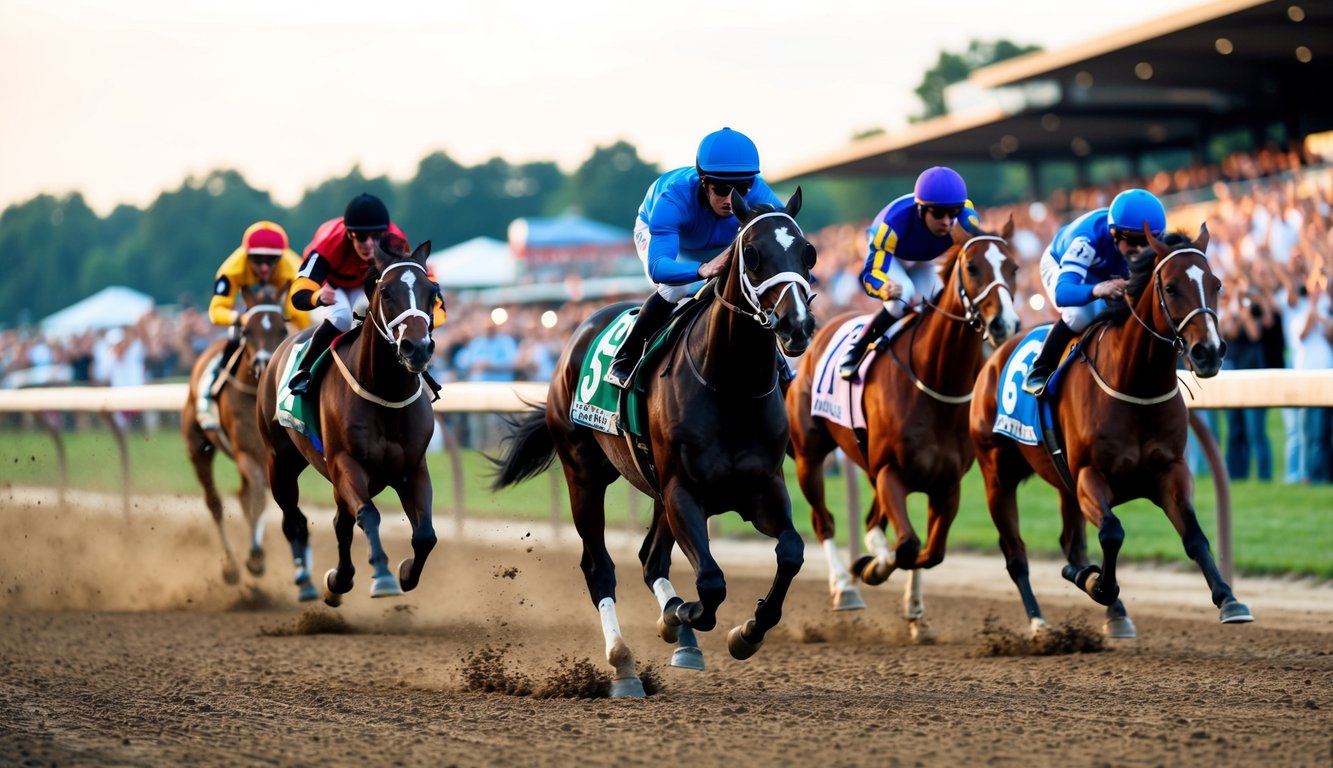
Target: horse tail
point(530, 450)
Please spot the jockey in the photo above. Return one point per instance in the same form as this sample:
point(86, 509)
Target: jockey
point(1086, 264)
point(905, 239)
point(262, 258)
point(683, 229)
point(336, 270)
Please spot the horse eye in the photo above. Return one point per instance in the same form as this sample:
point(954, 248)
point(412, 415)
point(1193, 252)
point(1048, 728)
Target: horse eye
point(810, 256)
point(972, 270)
point(751, 256)
point(1170, 289)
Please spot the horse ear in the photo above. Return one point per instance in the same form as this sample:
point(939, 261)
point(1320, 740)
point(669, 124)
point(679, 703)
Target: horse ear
point(794, 204)
point(1008, 232)
point(421, 253)
point(738, 206)
point(1157, 245)
point(1201, 242)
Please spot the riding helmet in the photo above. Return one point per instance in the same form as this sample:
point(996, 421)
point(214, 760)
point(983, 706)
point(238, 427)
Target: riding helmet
point(264, 238)
point(940, 186)
point(727, 155)
point(366, 212)
point(1132, 208)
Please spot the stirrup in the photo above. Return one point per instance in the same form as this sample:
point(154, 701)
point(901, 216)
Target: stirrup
point(616, 379)
point(1036, 386)
point(299, 384)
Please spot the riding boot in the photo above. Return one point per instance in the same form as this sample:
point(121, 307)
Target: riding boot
point(1048, 359)
point(851, 361)
point(652, 315)
point(324, 336)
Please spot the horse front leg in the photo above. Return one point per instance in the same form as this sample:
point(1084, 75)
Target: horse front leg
point(891, 505)
point(202, 454)
point(771, 518)
point(252, 501)
point(655, 554)
point(689, 526)
point(810, 476)
point(1074, 543)
point(417, 496)
point(1094, 500)
point(1001, 471)
point(1177, 490)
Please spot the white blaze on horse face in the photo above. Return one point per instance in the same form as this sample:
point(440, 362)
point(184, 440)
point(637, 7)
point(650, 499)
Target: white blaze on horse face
point(1010, 315)
point(784, 239)
point(1195, 273)
point(265, 323)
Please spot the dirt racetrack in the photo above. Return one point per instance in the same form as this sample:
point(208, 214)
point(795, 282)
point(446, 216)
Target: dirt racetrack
point(120, 645)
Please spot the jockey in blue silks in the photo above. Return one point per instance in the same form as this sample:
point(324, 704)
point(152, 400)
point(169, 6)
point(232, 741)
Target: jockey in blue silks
point(683, 229)
point(905, 239)
point(1086, 264)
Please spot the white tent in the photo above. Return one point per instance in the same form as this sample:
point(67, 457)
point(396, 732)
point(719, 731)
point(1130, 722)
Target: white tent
point(482, 262)
point(112, 307)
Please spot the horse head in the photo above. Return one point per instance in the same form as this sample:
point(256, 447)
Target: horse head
point(1184, 293)
point(984, 273)
point(404, 298)
point(263, 326)
point(772, 275)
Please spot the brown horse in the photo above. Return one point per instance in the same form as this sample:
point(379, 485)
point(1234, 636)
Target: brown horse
point(262, 329)
point(718, 436)
point(915, 401)
point(376, 420)
point(1124, 425)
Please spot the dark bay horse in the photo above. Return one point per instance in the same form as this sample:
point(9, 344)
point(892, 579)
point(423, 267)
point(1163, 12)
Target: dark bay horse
point(916, 409)
point(718, 438)
point(1124, 423)
point(263, 328)
point(376, 421)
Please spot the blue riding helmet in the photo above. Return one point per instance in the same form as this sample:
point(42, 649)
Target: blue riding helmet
point(727, 155)
point(940, 186)
point(1131, 208)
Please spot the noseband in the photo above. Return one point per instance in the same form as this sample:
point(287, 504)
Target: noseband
point(386, 329)
point(751, 292)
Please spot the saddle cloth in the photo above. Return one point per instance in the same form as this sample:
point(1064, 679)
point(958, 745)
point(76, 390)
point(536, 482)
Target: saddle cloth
point(1017, 413)
point(831, 397)
point(300, 414)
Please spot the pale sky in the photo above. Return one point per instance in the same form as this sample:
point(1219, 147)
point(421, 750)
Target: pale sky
point(124, 99)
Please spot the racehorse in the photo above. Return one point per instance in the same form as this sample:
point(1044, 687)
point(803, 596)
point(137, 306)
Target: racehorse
point(263, 328)
point(1124, 425)
point(915, 399)
point(717, 434)
point(375, 420)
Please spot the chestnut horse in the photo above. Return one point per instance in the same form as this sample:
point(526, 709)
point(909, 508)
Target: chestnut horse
point(375, 418)
point(1124, 424)
point(916, 397)
point(718, 439)
point(263, 328)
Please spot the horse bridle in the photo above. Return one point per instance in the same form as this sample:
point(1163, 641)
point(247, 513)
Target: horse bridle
point(258, 309)
point(972, 304)
point(1178, 341)
point(386, 328)
point(751, 292)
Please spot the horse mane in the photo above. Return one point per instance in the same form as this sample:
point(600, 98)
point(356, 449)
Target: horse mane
point(1141, 266)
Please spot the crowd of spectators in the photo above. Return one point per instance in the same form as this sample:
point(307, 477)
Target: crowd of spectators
point(1268, 214)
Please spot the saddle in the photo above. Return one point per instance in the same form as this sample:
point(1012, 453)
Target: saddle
point(301, 412)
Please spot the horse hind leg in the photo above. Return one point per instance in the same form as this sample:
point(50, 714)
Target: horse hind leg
point(202, 454)
point(655, 554)
point(283, 471)
point(810, 476)
point(914, 609)
point(1002, 469)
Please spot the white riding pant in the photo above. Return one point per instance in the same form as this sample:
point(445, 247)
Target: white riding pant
point(1077, 318)
point(919, 280)
point(345, 300)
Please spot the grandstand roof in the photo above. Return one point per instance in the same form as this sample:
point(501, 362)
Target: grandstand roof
point(1168, 83)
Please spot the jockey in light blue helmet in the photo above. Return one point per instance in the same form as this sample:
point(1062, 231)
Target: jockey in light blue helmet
point(1086, 264)
point(683, 229)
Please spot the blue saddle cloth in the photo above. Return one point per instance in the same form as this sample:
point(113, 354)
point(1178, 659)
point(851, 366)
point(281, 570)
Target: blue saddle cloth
point(1018, 415)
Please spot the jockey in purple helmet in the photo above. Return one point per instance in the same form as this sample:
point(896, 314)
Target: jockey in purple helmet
point(683, 229)
point(905, 238)
point(1085, 265)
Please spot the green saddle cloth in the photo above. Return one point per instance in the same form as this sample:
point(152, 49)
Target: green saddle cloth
point(302, 413)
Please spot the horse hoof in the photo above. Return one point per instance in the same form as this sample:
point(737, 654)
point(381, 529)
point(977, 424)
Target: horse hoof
point(385, 586)
point(740, 647)
point(231, 574)
point(921, 632)
point(668, 631)
point(868, 570)
point(1036, 627)
point(848, 600)
point(255, 564)
point(1120, 628)
point(1235, 613)
point(333, 599)
point(307, 593)
point(404, 572)
point(687, 658)
point(629, 687)
point(331, 583)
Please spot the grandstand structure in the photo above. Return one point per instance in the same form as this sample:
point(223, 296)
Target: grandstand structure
point(1169, 84)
